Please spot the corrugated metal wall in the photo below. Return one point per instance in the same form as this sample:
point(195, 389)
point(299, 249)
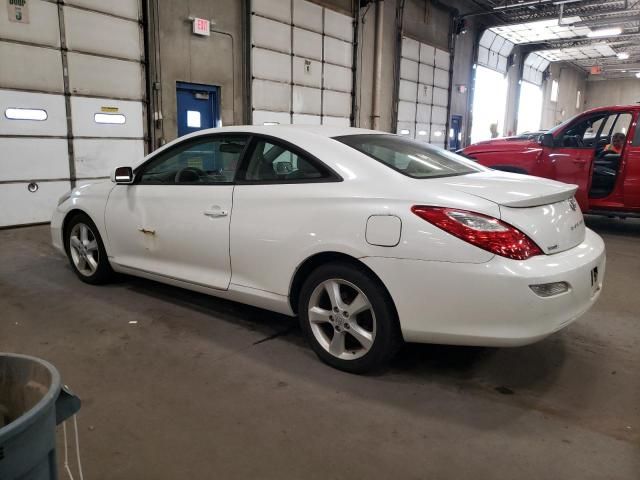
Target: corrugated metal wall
point(72, 90)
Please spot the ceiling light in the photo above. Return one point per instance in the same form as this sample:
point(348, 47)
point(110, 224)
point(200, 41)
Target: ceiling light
point(623, 55)
point(605, 32)
point(638, 75)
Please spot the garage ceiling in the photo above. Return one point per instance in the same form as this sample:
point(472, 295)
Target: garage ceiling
point(585, 33)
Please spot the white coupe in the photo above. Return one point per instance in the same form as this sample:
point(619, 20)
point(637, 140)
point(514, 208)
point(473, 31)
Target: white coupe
point(370, 238)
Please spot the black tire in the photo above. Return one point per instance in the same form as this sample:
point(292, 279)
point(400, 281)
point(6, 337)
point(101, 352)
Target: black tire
point(102, 273)
point(382, 315)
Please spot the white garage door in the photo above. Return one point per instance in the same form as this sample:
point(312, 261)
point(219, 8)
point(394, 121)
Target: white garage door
point(423, 92)
point(302, 60)
point(90, 50)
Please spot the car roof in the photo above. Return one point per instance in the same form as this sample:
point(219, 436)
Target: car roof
point(615, 108)
point(327, 131)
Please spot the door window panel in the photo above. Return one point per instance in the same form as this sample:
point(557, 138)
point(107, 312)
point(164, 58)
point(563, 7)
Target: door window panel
point(274, 163)
point(583, 134)
point(206, 162)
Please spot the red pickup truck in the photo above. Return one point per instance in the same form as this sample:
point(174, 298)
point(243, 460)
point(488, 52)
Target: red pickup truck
point(598, 150)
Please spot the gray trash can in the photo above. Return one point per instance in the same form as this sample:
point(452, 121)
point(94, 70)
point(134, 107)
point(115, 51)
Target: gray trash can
point(32, 403)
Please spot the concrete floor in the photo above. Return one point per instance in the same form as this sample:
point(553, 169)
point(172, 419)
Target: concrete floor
point(203, 388)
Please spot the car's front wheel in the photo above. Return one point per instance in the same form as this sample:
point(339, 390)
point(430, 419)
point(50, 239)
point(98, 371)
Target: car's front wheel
point(86, 251)
point(348, 318)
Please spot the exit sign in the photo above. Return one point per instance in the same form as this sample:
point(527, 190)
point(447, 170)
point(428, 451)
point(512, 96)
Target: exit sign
point(201, 26)
point(596, 70)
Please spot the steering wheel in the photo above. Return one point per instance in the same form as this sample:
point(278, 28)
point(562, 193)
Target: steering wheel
point(193, 170)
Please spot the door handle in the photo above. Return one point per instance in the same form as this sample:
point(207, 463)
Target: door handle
point(215, 213)
point(580, 162)
point(147, 231)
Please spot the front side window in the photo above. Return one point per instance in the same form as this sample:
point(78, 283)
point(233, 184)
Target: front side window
point(583, 134)
point(202, 162)
point(414, 159)
point(275, 163)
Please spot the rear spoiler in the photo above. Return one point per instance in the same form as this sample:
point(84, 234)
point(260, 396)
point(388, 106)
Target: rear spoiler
point(547, 199)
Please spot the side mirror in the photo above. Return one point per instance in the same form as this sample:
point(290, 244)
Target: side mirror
point(546, 140)
point(123, 176)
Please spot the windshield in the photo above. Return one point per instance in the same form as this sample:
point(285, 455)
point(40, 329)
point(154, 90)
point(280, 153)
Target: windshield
point(409, 157)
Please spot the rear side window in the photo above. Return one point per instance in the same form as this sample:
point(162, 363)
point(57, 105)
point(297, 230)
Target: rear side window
point(411, 158)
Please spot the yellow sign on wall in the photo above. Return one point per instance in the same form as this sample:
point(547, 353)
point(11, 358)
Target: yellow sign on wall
point(109, 109)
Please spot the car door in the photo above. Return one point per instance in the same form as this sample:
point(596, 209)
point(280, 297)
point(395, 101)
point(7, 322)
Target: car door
point(631, 172)
point(275, 213)
point(174, 219)
point(570, 159)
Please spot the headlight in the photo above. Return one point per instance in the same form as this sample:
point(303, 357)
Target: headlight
point(64, 198)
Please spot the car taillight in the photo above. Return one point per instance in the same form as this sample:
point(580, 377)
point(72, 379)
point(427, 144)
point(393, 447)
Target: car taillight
point(480, 230)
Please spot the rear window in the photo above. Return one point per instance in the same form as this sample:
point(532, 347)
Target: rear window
point(412, 158)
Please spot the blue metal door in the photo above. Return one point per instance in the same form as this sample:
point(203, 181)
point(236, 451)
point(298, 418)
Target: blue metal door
point(198, 107)
point(455, 132)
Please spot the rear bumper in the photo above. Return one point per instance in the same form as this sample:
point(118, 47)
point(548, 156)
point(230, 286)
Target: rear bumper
point(491, 304)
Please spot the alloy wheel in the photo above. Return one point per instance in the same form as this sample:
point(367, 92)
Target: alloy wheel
point(342, 319)
point(83, 246)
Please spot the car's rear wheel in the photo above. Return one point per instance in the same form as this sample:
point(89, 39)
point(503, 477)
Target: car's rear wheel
point(348, 318)
point(86, 251)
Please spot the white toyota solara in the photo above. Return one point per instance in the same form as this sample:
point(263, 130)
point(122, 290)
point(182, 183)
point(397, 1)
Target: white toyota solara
point(370, 238)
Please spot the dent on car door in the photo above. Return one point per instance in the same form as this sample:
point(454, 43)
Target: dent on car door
point(174, 220)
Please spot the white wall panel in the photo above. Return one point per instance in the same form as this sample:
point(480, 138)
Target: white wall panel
point(123, 8)
point(278, 9)
point(407, 90)
point(83, 111)
point(31, 68)
point(425, 74)
point(307, 15)
point(338, 52)
point(307, 100)
point(99, 157)
point(439, 115)
point(270, 65)
point(409, 70)
point(423, 131)
point(311, 77)
point(27, 207)
point(106, 77)
point(441, 78)
point(337, 78)
point(102, 34)
point(338, 25)
point(406, 111)
point(406, 129)
point(54, 125)
point(307, 44)
point(336, 121)
point(33, 158)
point(427, 54)
point(43, 27)
point(271, 96)
point(270, 34)
point(336, 104)
point(442, 59)
point(411, 49)
point(423, 113)
point(260, 117)
point(302, 119)
point(440, 96)
point(425, 93)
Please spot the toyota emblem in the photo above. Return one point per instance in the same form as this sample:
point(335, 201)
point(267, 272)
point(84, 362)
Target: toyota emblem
point(573, 204)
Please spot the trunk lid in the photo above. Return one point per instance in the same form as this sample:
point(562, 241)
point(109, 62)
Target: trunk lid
point(545, 210)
